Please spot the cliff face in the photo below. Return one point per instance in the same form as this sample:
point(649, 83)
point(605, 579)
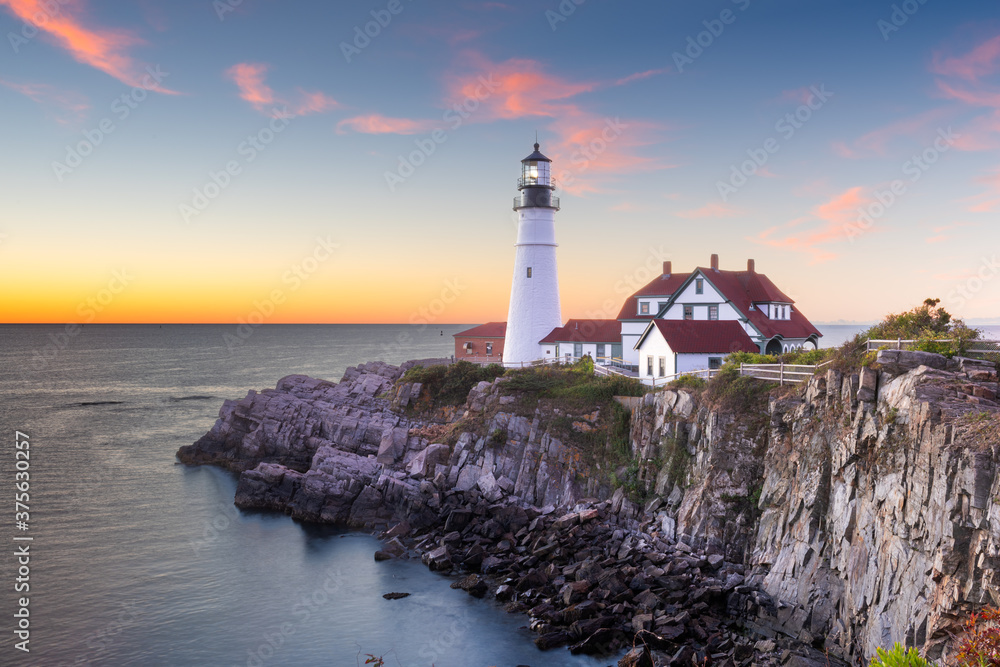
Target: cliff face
point(878, 517)
point(345, 452)
point(862, 509)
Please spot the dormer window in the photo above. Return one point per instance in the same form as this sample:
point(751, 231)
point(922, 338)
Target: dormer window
point(644, 308)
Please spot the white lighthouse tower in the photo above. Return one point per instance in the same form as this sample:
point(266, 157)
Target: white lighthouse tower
point(534, 293)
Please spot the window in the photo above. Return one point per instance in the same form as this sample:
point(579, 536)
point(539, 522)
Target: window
point(601, 351)
point(529, 271)
point(644, 308)
point(660, 305)
point(577, 350)
point(714, 363)
point(468, 347)
point(688, 312)
point(699, 286)
point(489, 349)
point(663, 367)
point(649, 366)
point(713, 312)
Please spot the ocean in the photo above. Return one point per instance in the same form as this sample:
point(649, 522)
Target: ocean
point(137, 560)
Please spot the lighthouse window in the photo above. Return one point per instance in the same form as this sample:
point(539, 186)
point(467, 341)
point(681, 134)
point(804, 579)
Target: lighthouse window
point(529, 271)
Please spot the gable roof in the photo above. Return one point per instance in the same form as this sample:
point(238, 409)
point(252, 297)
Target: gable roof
point(702, 336)
point(665, 285)
point(586, 331)
point(745, 288)
point(488, 330)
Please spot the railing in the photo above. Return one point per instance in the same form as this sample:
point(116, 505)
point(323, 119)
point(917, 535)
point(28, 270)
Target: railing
point(535, 180)
point(898, 343)
point(782, 373)
point(542, 202)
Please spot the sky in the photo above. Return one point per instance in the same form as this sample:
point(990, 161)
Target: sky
point(304, 161)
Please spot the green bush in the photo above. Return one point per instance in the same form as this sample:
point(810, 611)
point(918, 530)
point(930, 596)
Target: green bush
point(450, 385)
point(898, 656)
point(688, 382)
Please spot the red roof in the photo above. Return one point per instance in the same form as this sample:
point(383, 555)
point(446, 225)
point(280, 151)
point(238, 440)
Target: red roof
point(664, 285)
point(488, 330)
point(586, 331)
point(705, 336)
point(744, 288)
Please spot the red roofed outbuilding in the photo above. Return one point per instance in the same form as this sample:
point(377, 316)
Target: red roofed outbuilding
point(482, 343)
point(668, 347)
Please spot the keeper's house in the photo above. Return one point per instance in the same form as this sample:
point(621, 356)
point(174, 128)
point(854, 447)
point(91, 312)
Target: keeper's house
point(710, 294)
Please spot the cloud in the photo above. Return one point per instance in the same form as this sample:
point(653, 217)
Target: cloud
point(66, 107)
point(102, 48)
point(877, 141)
point(970, 79)
point(638, 76)
point(981, 61)
point(250, 79)
point(828, 223)
point(713, 210)
point(378, 124)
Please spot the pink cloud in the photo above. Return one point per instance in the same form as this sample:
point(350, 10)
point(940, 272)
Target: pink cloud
point(638, 76)
point(102, 48)
point(710, 211)
point(378, 124)
point(832, 222)
point(250, 79)
point(66, 107)
point(969, 79)
point(981, 61)
point(877, 141)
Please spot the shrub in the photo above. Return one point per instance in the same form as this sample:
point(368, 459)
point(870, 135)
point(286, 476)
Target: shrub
point(450, 385)
point(688, 382)
point(898, 656)
point(980, 640)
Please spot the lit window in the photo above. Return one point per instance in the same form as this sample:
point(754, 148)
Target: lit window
point(644, 308)
point(688, 312)
point(699, 286)
point(529, 271)
point(713, 312)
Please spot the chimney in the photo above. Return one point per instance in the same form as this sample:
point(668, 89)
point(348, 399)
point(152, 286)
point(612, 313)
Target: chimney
point(715, 263)
point(666, 268)
point(750, 266)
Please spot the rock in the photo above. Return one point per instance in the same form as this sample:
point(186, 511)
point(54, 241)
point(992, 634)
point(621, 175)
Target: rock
point(637, 657)
point(395, 596)
point(869, 382)
point(551, 640)
point(426, 461)
point(381, 555)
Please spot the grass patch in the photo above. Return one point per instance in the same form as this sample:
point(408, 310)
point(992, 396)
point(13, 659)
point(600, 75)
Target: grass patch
point(449, 385)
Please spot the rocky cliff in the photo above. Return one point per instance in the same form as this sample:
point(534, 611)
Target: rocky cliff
point(850, 513)
point(867, 510)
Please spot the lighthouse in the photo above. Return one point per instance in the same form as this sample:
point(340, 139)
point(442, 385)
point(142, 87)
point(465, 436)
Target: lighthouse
point(534, 293)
